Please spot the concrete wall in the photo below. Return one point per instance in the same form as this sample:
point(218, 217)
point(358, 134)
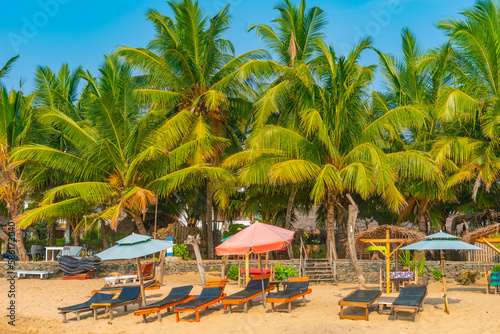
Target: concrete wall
point(345, 271)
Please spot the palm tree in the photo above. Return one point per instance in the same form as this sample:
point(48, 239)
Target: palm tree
point(405, 119)
point(15, 114)
point(469, 108)
point(191, 71)
point(4, 71)
point(324, 149)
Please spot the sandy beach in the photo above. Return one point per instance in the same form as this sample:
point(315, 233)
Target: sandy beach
point(472, 311)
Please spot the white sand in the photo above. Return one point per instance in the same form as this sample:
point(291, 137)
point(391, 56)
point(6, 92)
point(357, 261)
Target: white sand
point(472, 311)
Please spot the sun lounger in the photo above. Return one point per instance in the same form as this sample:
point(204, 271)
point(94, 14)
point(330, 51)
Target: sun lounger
point(410, 299)
point(212, 293)
point(359, 298)
point(176, 296)
point(85, 307)
point(251, 291)
point(128, 296)
point(42, 273)
point(297, 287)
point(151, 285)
point(147, 271)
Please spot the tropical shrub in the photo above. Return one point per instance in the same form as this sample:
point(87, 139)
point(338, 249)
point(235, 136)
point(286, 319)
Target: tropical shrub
point(437, 274)
point(232, 229)
point(496, 268)
point(282, 273)
point(232, 273)
point(181, 251)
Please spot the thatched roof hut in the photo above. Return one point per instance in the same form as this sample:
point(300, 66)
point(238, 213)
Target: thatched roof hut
point(481, 232)
point(379, 232)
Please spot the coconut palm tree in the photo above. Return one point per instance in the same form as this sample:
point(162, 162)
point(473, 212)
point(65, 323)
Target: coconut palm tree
point(15, 114)
point(4, 71)
point(190, 70)
point(469, 108)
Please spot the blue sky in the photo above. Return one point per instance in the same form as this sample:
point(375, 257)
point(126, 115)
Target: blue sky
point(51, 32)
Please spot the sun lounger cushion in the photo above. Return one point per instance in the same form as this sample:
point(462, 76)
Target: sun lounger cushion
point(363, 296)
point(292, 289)
point(128, 293)
point(117, 287)
point(411, 296)
point(175, 295)
point(96, 298)
point(253, 287)
point(207, 295)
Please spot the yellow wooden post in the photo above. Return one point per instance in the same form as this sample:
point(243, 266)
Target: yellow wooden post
point(267, 260)
point(247, 269)
point(258, 258)
point(388, 262)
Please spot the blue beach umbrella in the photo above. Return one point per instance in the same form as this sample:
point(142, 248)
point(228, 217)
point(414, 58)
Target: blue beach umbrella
point(135, 246)
point(441, 241)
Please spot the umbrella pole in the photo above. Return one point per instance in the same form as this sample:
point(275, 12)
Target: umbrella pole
point(388, 263)
point(141, 282)
point(247, 269)
point(262, 281)
point(447, 308)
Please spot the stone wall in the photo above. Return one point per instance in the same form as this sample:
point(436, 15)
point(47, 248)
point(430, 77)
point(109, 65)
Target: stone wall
point(345, 271)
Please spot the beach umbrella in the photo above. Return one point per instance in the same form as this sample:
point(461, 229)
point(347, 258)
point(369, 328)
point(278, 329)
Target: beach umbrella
point(441, 241)
point(257, 238)
point(135, 246)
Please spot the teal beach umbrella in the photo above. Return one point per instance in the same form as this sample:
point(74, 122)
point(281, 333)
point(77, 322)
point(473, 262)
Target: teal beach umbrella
point(135, 246)
point(441, 241)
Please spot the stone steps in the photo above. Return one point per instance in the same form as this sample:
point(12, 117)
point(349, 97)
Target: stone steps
point(319, 271)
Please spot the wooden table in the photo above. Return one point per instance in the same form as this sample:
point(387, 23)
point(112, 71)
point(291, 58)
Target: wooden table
point(385, 305)
point(47, 249)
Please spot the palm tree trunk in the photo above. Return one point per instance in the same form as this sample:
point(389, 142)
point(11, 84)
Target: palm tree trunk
point(52, 234)
point(288, 220)
point(76, 237)
point(104, 235)
point(21, 250)
point(210, 236)
point(140, 224)
point(353, 214)
point(330, 223)
point(422, 223)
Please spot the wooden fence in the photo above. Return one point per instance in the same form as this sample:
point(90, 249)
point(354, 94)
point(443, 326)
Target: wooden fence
point(488, 255)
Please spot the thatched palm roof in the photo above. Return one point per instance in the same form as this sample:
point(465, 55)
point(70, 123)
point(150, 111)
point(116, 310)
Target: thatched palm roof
point(379, 233)
point(481, 232)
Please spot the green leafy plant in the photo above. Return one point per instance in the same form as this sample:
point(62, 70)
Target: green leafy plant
point(282, 273)
point(405, 258)
point(437, 274)
point(496, 268)
point(319, 253)
point(407, 261)
point(232, 229)
point(181, 251)
point(232, 273)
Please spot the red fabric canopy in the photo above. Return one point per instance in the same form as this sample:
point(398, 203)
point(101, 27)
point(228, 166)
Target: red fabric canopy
point(256, 238)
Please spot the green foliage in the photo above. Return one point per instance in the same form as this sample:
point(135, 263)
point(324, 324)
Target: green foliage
point(284, 272)
point(437, 274)
point(232, 229)
point(232, 273)
point(319, 253)
point(407, 261)
point(496, 268)
point(181, 251)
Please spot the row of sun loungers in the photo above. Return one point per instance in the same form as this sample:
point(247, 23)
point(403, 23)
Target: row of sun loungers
point(180, 300)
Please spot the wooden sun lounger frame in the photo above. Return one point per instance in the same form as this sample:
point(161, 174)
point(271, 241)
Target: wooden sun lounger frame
point(109, 307)
point(366, 305)
point(288, 301)
point(248, 301)
point(209, 284)
point(407, 308)
point(153, 286)
point(145, 312)
point(77, 312)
